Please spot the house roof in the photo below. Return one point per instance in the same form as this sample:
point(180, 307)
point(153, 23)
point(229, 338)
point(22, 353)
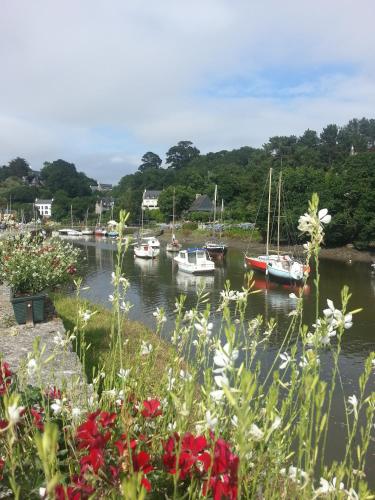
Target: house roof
point(151, 194)
point(43, 202)
point(202, 204)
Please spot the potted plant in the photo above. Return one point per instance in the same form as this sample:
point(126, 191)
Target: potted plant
point(30, 267)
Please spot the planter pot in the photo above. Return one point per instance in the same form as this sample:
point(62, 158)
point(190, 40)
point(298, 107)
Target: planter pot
point(28, 308)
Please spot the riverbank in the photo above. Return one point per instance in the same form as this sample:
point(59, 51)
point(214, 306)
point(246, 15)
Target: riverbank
point(346, 253)
point(98, 335)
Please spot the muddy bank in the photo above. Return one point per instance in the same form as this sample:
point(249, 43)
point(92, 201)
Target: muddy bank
point(345, 254)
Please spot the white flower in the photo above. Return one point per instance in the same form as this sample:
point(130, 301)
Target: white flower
point(353, 401)
point(324, 216)
point(171, 426)
point(56, 407)
point(256, 433)
point(293, 296)
point(295, 474)
point(211, 421)
point(217, 395)
point(185, 376)
point(348, 321)
point(14, 413)
point(146, 348)
point(234, 421)
point(123, 374)
point(76, 412)
point(111, 298)
point(86, 315)
point(276, 423)
point(224, 358)
point(31, 367)
point(160, 315)
point(286, 360)
point(221, 381)
point(326, 487)
point(203, 326)
point(42, 492)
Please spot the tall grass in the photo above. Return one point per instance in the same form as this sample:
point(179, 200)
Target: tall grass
point(211, 424)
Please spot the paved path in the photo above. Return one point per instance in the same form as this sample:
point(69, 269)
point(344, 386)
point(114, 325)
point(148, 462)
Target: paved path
point(60, 365)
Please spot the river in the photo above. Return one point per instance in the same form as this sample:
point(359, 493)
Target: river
point(157, 283)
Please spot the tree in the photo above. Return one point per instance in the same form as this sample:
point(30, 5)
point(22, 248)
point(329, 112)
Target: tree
point(150, 160)
point(179, 156)
point(61, 175)
point(184, 197)
point(18, 167)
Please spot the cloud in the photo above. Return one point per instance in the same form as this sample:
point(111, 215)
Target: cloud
point(91, 81)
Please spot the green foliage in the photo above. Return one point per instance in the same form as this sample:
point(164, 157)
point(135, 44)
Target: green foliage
point(184, 197)
point(63, 175)
point(179, 156)
point(150, 160)
point(310, 163)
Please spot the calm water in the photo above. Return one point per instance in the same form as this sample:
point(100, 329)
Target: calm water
point(157, 283)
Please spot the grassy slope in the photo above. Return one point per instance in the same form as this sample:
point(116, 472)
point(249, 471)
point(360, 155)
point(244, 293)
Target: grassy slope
point(98, 335)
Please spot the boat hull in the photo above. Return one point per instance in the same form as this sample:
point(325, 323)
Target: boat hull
point(294, 273)
point(194, 261)
point(146, 252)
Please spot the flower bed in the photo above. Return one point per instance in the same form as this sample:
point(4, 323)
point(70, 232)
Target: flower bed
point(30, 265)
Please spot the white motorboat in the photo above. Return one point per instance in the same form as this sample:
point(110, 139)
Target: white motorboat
point(87, 232)
point(145, 251)
point(195, 261)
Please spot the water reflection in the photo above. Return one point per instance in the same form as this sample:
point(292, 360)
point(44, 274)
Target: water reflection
point(191, 283)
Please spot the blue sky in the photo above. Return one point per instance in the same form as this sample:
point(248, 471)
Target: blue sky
point(101, 83)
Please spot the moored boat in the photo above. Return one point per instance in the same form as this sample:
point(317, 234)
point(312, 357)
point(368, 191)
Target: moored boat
point(145, 251)
point(287, 270)
point(216, 248)
point(195, 261)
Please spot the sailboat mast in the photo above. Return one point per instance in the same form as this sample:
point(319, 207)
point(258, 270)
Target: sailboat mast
point(278, 216)
point(71, 216)
point(268, 215)
point(213, 224)
point(174, 192)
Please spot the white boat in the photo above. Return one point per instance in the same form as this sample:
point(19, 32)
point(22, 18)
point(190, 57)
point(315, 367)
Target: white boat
point(150, 240)
point(145, 251)
point(87, 231)
point(286, 269)
point(74, 232)
point(146, 247)
point(195, 261)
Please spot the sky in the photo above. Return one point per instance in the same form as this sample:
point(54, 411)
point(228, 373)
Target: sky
point(100, 83)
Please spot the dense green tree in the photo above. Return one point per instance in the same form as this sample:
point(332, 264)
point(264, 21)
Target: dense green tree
point(63, 175)
point(150, 160)
point(184, 197)
point(181, 155)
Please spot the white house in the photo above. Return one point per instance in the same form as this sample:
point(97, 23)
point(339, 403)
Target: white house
point(44, 207)
point(150, 200)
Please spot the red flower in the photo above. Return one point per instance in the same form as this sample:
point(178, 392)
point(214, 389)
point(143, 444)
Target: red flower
point(38, 419)
point(71, 270)
point(3, 424)
point(122, 445)
point(94, 460)
point(194, 457)
point(2, 464)
point(224, 472)
point(53, 393)
point(107, 419)
point(151, 408)
point(89, 436)
point(141, 463)
point(5, 377)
